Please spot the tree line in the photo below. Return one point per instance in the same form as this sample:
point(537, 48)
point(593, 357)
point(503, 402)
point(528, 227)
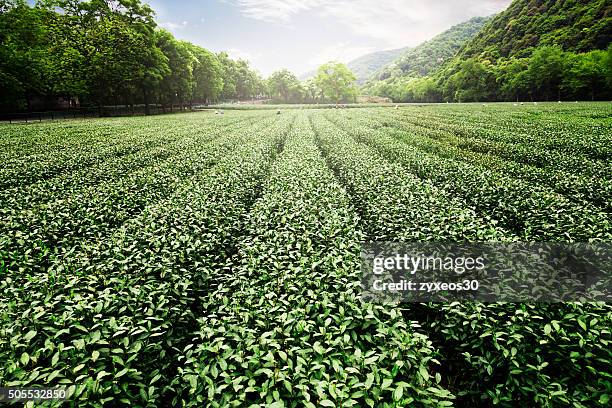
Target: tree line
point(108, 52)
point(111, 52)
point(334, 83)
point(548, 74)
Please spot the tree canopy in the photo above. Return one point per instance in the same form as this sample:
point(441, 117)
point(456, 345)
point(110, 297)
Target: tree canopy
point(285, 86)
point(111, 52)
point(108, 52)
point(334, 83)
point(337, 82)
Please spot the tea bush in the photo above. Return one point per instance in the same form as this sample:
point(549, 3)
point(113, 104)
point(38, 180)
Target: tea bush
point(213, 260)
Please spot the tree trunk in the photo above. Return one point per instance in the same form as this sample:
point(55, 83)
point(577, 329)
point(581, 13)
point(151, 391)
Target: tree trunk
point(145, 96)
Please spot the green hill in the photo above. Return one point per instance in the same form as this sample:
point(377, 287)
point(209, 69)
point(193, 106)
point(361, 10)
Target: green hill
point(364, 67)
point(574, 25)
point(534, 50)
point(432, 54)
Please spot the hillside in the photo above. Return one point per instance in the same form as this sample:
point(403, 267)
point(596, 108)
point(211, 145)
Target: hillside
point(365, 66)
point(427, 57)
point(534, 50)
point(576, 25)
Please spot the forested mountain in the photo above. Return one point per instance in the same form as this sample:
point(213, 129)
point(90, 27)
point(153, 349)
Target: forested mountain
point(427, 57)
point(413, 62)
point(366, 66)
point(534, 50)
point(574, 25)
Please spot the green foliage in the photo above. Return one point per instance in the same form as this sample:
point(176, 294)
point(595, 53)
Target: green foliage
point(294, 331)
point(383, 191)
point(113, 333)
point(178, 83)
point(576, 25)
point(214, 260)
point(471, 83)
point(284, 86)
point(588, 73)
point(528, 355)
point(548, 74)
point(337, 82)
point(427, 57)
point(108, 53)
point(334, 83)
point(368, 65)
point(312, 91)
point(239, 80)
point(23, 58)
point(401, 81)
point(534, 50)
point(207, 75)
point(530, 212)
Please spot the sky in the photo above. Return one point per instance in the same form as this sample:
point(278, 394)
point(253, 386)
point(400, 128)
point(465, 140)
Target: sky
point(302, 34)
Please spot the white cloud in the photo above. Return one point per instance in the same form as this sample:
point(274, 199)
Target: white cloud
point(169, 25)
point(279, 11)
point(236, 53)
point(342, 52)
point(393, 23)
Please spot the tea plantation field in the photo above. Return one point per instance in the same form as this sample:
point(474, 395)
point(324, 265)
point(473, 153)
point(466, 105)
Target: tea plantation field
point(213, 260)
